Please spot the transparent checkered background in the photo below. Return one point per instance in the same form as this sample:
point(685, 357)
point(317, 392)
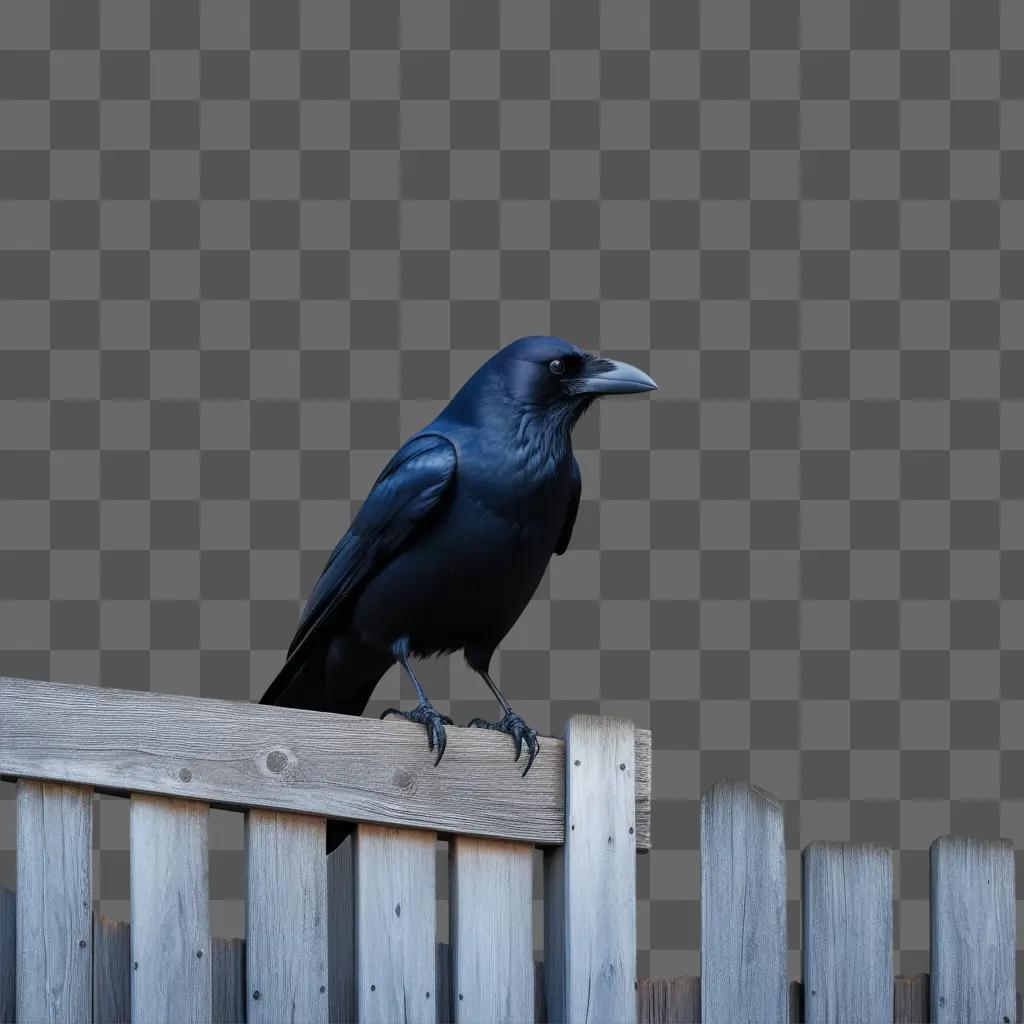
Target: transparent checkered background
point(247, 249)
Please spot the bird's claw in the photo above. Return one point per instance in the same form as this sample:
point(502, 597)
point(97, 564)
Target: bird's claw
point(518, 730)
point(426, 714)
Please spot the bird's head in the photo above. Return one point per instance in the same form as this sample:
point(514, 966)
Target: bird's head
point(550, 378)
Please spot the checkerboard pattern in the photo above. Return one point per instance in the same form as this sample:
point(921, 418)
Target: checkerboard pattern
point(248, 247)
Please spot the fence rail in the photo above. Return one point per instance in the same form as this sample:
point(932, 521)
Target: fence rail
point(353, 936)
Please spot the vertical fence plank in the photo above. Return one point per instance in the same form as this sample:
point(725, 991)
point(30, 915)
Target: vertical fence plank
point(847, 940)
point(228, 976)
point(285, 917)
point(540, 1009)
point(599, 895)
point(170, 926)
point(973, 929)
point(668, 1000)
point(491, 930)
point(7, 948)
point(111, 971)
point(554, 933)
point(54, 902)
point(743, 905)
point(910, 999)
point(341, 923)
point(396, 928)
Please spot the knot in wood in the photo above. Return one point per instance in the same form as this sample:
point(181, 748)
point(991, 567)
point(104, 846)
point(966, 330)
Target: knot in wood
point(277, 760)
point(185, 775)
point(403, 778)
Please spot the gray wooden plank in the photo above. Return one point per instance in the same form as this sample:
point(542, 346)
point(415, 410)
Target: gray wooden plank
point(238, 754)
point(743, 905)
point(54, 902)
point(491, 930)
point(396, 930)
point(111, 971)
point(668, 1000)
point(444, 983)
point(8, 923)
point(170, 926)
point(228, 979)
point(847, 932)
point(600, 870)
point(285, 917)
point(796, 1002)
point(973, 929)
point(910, 999)
point(341, 923)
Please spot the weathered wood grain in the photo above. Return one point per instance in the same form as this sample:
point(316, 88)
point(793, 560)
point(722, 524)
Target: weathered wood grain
point(491, 930)
point(600, 870)
point(54, 902)
point(111, 971)
point(847, 932)
point(540, 1006)
point(973, 930)
point(170, 926)
point(8, 924)
point(554, 933)
point(341, 939)
point(396, 930)
point(796, 1002)
point(910, 999)
point(668, 1000)
point(228, 975)
point(236, 754)
point(743, 905)
point(285, 917)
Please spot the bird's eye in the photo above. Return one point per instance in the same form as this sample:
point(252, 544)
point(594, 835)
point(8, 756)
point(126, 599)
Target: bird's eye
point(557, 367)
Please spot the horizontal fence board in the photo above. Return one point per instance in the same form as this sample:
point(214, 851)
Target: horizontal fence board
point(53, 979)
point(847, 932)
point(7, 948)
point(910, 999)
point(743, 905)
point(228, 971)
point(170, 924)
point(239, 754)
point(396, 927)
point(111, 971)
point(491, 930)
point(668, 1000)
point(286, 917)
point(973, 930)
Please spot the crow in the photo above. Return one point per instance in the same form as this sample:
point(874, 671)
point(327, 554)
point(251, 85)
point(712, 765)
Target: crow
point(453, 539)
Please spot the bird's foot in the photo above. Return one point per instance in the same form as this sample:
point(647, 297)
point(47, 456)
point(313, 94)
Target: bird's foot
point(518, 730)
point(426, 714)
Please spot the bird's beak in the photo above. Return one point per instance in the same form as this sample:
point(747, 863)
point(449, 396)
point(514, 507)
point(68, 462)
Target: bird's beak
point(610, 377)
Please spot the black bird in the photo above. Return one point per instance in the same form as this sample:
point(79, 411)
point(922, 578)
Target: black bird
point(453, 539)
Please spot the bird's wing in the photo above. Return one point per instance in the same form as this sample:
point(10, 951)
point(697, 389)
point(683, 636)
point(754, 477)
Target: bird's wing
point(408, 488)
point(571, 509)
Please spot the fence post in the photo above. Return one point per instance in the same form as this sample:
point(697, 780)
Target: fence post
point(973, 930)
point(285, 917)
point(590, 940)
point(396, 927)
point(170, 926)
point(54, 902)
point(847, 942)
point(743, 905)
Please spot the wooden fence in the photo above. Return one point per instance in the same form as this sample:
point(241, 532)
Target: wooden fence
point(344, 938)
point(353, 936)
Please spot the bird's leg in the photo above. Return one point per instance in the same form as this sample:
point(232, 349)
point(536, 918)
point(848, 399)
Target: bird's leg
point(425, 713)
point(512, 724)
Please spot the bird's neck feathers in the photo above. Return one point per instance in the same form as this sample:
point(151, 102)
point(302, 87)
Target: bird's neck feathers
point(539, 435)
